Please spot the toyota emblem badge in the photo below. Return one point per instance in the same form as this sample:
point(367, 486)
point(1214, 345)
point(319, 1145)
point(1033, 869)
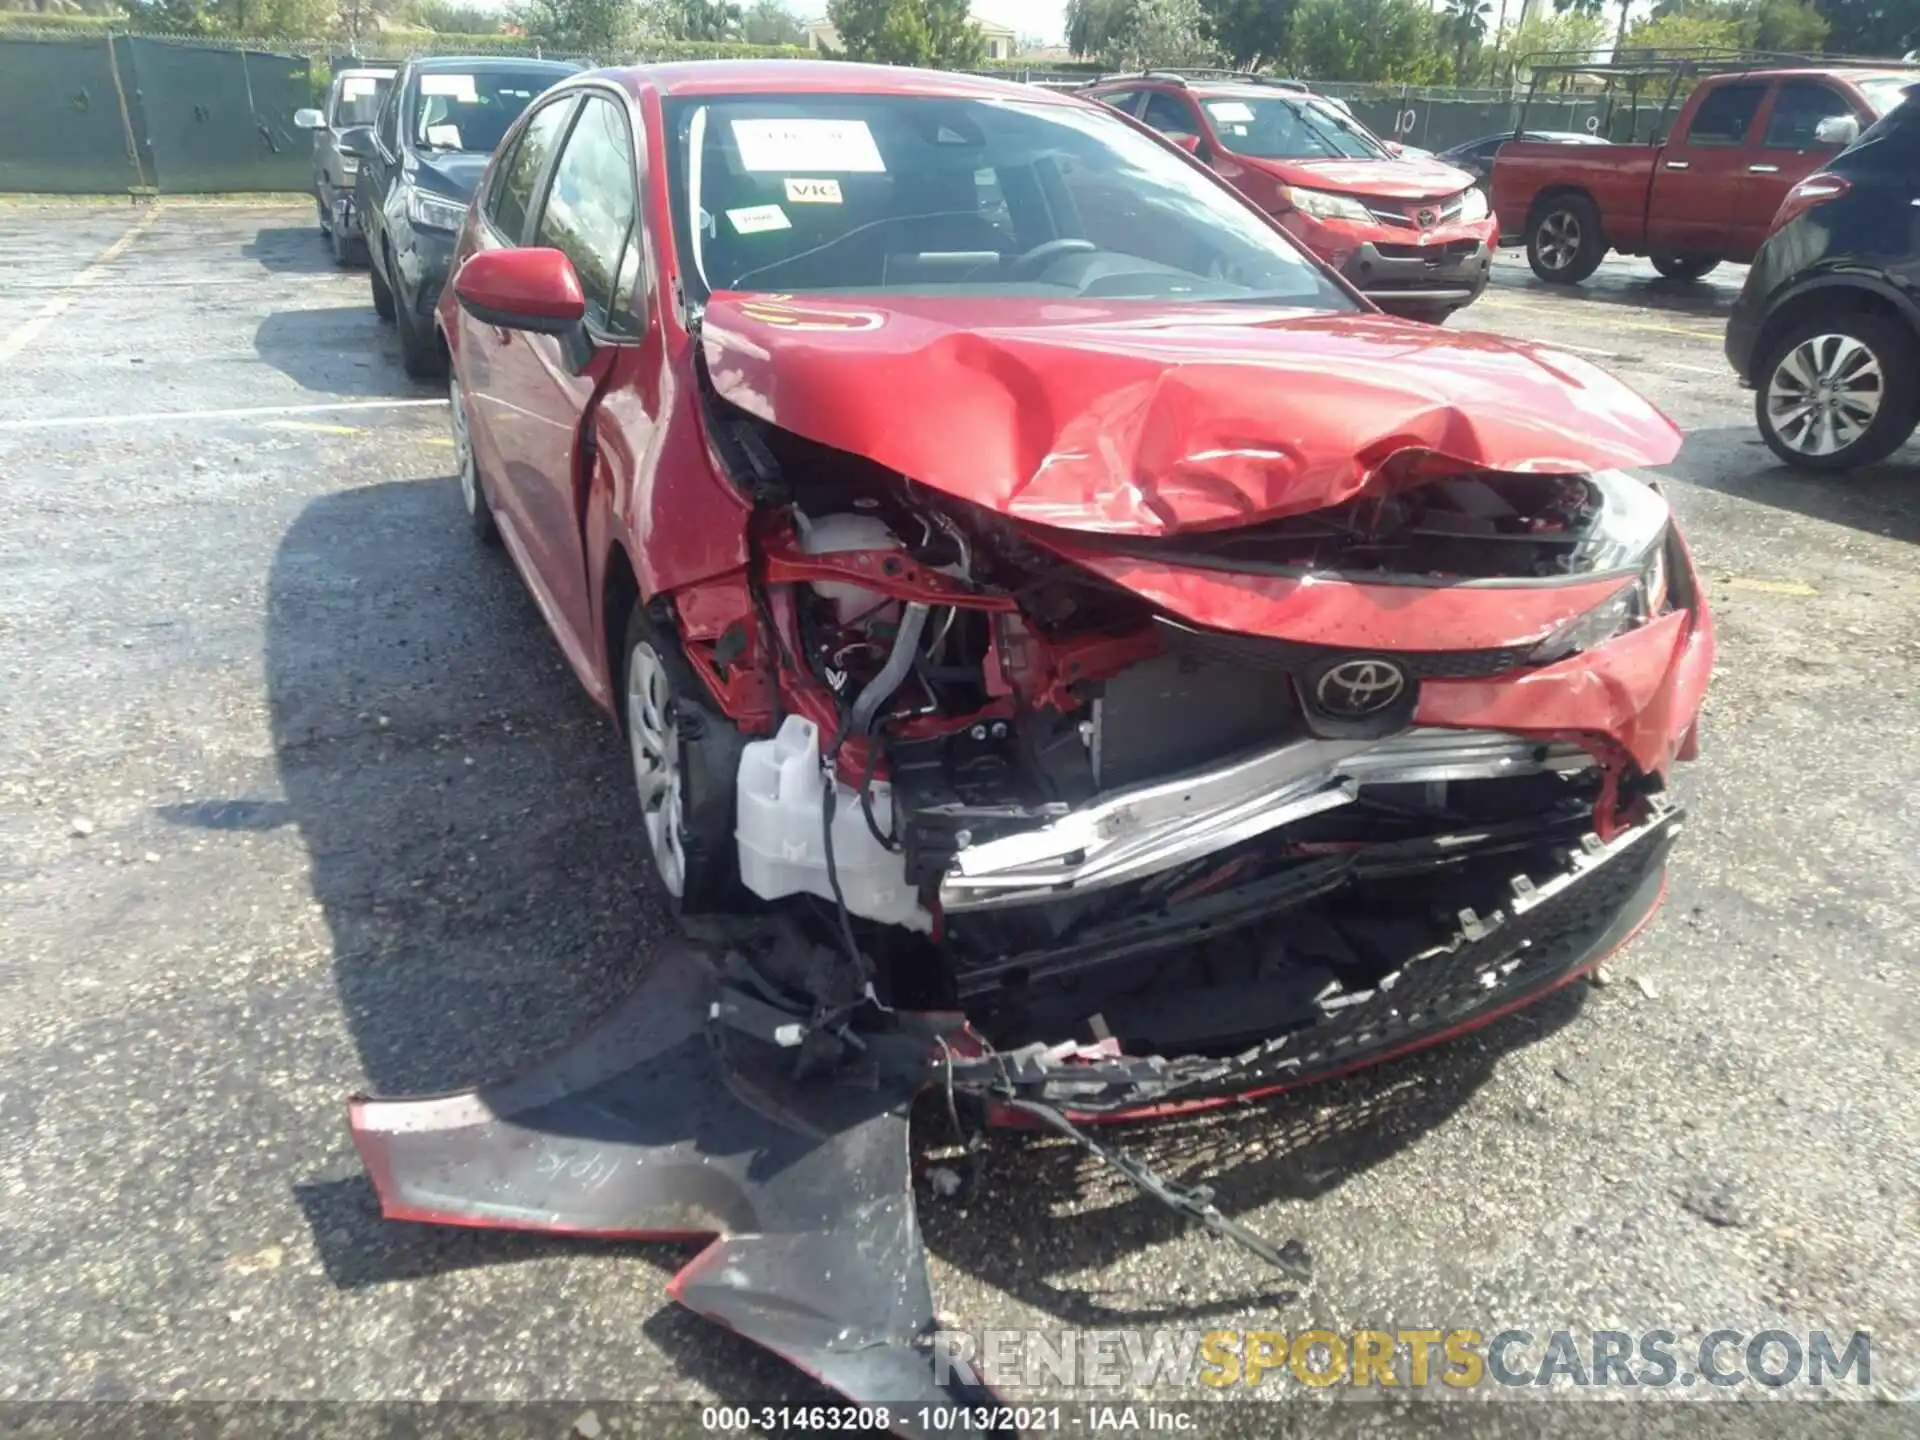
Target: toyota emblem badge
point(1354, 689)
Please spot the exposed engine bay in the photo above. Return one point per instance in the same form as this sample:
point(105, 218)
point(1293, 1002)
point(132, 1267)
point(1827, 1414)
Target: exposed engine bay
point(1010, 785)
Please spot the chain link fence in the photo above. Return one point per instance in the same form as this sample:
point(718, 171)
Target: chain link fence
point(118, 114)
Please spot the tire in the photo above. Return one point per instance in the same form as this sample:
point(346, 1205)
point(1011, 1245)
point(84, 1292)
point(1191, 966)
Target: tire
point(382, 296)
point(1685, 268)
point(349, 251)
point(320, 208)
point(420, 353)
point(685, 759)
point(1565, 243)
point(1859, 374)
point(473, 486)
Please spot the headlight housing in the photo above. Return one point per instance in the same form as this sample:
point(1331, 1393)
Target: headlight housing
point(1633, 530)
point(1324, 205)
point(434, 212)
point(1473, 205)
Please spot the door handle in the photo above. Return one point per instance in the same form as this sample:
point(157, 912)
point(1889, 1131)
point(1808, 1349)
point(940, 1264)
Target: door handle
point(1676, 164)
point(1763, 169)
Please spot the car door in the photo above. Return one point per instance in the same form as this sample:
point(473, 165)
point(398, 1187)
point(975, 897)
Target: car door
point(588, 210)
point(1701, 174)
point(1789, 150)
point(493, 359)
point(381, 167)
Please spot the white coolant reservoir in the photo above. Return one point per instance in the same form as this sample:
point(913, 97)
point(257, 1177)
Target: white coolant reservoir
point(782, 850)
point(831, 534)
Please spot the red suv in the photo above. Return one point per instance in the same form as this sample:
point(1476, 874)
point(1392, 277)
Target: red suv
point(1413, 236)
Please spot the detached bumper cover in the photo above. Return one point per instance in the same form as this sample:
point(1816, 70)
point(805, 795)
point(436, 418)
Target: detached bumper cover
point(664, 1124)
point(1453, 272)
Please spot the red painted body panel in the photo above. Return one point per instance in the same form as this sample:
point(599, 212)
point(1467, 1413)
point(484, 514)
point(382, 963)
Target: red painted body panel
point(1676, 197)
point(1139, 420)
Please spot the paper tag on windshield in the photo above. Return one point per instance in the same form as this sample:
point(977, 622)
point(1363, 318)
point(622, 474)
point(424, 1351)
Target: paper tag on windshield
point(1230, 112)
point(354, 86)
point(445, 136)
point(460, 87)
point(813, 192)
point(755, 218)
point(838, 146)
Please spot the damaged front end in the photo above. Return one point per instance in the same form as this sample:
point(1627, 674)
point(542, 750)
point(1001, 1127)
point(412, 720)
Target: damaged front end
point(1130, 761)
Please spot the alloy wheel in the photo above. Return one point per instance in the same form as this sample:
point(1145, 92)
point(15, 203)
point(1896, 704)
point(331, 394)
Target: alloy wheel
point(655, 744)
point(1559, 239)
point(1824, 394)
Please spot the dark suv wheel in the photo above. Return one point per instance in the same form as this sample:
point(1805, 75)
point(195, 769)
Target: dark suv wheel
point(1838, 393)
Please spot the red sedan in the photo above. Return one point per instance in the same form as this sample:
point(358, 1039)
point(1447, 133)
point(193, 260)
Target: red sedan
point(1415, 236)
point(1074, 653)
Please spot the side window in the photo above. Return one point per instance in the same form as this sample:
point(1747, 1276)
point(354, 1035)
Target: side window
point(386, 125)
point(1125, 100)
point(589, 215)
point(1169, 115)
point(510, 194)
point(1797, 112)
point(1726, 115)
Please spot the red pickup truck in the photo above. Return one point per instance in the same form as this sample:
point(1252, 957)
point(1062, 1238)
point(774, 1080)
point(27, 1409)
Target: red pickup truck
point(1708, 193)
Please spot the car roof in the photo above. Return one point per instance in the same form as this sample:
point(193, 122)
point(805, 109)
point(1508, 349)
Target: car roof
point(436, 64)
point(800, 77)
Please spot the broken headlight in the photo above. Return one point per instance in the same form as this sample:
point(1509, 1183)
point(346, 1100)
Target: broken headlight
point(1630, 529)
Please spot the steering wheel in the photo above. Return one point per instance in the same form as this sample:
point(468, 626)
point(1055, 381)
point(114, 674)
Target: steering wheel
point(1029, 261)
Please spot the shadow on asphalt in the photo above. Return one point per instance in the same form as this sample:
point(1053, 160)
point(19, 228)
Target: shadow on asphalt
point(290, 249)
point(488, 893)
point(1882, 499)
point(344, 350)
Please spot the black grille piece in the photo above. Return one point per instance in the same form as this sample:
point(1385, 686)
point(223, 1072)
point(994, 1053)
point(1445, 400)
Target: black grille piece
point(1178, 712)
point(1259, 652)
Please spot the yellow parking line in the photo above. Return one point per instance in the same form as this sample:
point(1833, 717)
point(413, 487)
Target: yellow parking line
point(29, 329)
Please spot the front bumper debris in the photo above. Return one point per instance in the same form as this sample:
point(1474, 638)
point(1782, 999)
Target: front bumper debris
point(1450, 273)
point(685, 1116)
point(1153, 827)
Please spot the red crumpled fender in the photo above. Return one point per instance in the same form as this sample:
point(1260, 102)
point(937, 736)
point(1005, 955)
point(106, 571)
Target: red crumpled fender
point(1108, 416)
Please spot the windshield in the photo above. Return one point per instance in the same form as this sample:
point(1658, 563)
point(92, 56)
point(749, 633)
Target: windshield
point(359, 99)
point(1302, 128)
point(1883, 92)
point(471, 111)
point(935, 195)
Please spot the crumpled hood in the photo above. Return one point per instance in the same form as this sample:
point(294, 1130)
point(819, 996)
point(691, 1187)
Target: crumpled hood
point(1092, 416)
point(455, 173)
point(1386, 179)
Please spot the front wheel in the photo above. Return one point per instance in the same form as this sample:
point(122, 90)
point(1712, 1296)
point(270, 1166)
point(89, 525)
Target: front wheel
point(382, 295)
point(420, 353)
point(1685, 268)
point(686, 764)
point(1839, 393)
point(473, 490)
point(1565, 242)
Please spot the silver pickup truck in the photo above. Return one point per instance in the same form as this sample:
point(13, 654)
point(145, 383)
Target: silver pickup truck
point(353, 99)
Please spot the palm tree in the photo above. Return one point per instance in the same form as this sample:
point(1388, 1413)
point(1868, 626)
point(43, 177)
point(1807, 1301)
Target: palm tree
point(1468, 21)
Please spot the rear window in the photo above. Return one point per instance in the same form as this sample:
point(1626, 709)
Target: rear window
point(358, 99)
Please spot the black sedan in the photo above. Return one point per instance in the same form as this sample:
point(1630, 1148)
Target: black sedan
point(1476, 156)
point(1827, 328)
point(420, 162)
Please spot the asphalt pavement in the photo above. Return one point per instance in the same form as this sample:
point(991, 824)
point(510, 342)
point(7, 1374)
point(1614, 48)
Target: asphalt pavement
point(297, 798)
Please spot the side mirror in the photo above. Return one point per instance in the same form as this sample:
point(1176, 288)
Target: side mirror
point(355, 140)
point(1837, 130)
point(309, 120)
point(1395, 148)
point(528, 288)
point(1194, 145)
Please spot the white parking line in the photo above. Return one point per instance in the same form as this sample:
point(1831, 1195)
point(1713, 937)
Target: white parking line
point(161, 417)
point(30, 328)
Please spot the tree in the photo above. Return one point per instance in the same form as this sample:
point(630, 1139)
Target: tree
point(1567, 33)
point(1368, 40)
point(1467, 19)
point(1887, 28)
point(771, 23)
point(712, 20)
point(1792, 26)
point(605, 28)
point(909, 32)
point(1249, 32)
